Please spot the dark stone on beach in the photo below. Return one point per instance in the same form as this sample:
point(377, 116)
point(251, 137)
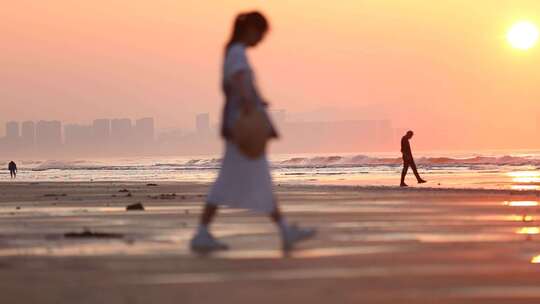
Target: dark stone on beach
point(93, 235)
point(129, 195)
point(135, 207)
point(124, 190)
point(18, 208)
point(54, 195)
point(163, 196)
point(151, 185)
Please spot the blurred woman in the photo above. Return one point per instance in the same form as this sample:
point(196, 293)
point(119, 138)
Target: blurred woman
point(243, 181)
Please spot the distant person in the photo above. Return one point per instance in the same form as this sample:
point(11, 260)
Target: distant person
point(408, 160)
point(243, 181)
point(12, 167)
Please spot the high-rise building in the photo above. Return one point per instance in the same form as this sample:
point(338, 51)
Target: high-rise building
point(101, 129)
point(28, 133)
point(48, 135)
point(144, 129)
point(202, 123)
point(120, 128)
point(12, 130)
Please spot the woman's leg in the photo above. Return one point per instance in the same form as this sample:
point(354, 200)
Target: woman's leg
point(290, 235)
point(203, 241)
point(278, 218)
point(276, 215)
point(208, 214)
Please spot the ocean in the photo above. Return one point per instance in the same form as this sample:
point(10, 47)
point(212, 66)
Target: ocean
point(517, 170)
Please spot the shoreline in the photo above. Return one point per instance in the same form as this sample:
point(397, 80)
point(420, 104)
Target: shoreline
point(382, 189)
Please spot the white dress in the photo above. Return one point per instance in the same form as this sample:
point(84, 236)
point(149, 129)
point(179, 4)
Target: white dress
point(242, 182)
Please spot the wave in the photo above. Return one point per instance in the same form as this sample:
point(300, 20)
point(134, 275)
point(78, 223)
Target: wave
point(93, 166)
point(196, 162)
point(83, 165)
point(333, 161)
point(364, 160)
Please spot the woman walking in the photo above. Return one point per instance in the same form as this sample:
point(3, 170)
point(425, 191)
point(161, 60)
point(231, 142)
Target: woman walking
point(243, 181)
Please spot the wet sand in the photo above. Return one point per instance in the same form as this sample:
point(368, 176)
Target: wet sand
point(375, 245)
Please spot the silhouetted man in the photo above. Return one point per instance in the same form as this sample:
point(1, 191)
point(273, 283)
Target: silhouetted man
point(408, 160)
point(12, 169)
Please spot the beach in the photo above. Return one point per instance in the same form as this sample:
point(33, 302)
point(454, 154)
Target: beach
point(75, 242)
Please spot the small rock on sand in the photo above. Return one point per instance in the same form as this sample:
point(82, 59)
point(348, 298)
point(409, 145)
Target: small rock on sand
point(163, 196)
point(54, 195)
point(135, 207)
point(90, 234)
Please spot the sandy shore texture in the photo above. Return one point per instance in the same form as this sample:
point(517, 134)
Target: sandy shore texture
point(375, 245)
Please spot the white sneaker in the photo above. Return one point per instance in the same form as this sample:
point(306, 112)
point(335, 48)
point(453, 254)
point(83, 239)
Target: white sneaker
point(204, 242)
point(295, 234)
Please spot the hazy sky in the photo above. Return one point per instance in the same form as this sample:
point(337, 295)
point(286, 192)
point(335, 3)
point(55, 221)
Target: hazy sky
point(442, 68)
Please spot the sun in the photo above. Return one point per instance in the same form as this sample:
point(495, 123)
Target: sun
point(522, 35)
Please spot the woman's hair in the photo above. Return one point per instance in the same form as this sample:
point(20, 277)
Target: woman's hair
point(243, 22)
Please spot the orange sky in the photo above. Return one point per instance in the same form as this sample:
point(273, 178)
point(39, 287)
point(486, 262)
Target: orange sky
point(442, 68)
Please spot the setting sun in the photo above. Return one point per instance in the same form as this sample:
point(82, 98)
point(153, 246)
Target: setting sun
point(523, 35)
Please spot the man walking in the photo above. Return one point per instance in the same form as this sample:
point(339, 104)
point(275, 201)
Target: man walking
point(12, 169)
point(408, 160)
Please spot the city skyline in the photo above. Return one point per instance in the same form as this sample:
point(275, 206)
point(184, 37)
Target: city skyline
point(101, 137)
point(125, 136)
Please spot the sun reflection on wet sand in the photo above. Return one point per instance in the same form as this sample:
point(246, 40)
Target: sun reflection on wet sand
point(525, 187)
point(521, 203)
point(536, 260)
point(529, 230)
point(521, 218)
point(525, 176)
point(525, 180)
